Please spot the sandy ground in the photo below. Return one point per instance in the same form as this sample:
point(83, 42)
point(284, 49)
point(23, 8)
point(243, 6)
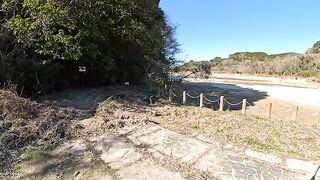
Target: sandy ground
point(288, 81)
point(284, 94)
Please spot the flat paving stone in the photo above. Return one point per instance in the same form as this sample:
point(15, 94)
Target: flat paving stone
point(267, 176)
point(128, 163)
point(263, 156)
point(173, 144)
point(145, 130)
point(147, 170)
point(225, 164)
point(252, 164)
point(211, 162)
point(238, 166)
point(240, 175)
point(252, 177)
point(75, 148)
point(227, 169)
point(117, 158)
point(309, 167)
point(250, 170)
point(235, 158)
point(276, 173)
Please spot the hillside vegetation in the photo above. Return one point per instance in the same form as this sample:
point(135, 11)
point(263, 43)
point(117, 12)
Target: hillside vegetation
point(287, 64)
point(44, 43)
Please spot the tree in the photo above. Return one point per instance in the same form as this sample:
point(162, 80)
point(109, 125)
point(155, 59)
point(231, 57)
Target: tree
point(315, 48)
point(117, 40)
point(216, 59)
point(205, 67)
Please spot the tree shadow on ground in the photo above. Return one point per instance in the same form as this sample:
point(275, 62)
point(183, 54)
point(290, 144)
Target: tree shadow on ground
point(232, 93)
point(88, 99)
point(66, 166)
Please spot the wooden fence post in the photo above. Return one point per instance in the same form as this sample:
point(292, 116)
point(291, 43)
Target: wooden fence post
point(221, 103)
point(166, 89)
point(201, 100)
point(295, 113)
point(184, 98)
point(244, 106)
point(269, 112)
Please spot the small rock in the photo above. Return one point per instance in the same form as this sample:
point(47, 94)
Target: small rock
point(229, 146)
point(125, 117)
point(156, 114)
point(264, 157)
point(79, 126)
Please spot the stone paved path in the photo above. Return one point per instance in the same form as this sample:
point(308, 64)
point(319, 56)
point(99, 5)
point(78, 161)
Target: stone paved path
point(124, 154)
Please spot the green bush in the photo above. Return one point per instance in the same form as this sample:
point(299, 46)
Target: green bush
point(33, 75)
point(116, 40)
point(307, 73)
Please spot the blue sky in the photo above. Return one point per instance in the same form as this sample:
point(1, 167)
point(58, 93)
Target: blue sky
point(209, 28)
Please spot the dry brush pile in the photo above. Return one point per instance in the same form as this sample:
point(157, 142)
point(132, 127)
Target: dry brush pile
point(117, 112)
point(24, 122)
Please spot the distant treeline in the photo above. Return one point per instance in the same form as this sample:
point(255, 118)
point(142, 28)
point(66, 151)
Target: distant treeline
point(46, 42)
point(288, 64)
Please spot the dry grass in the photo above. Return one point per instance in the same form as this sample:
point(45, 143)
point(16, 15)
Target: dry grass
point(284, 139)
point(24, 122)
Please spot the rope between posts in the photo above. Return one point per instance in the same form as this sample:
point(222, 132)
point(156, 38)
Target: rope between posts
point(193, 97)
point(249, 104)
point(231, 104)
point(210, 101)
point(173, 94)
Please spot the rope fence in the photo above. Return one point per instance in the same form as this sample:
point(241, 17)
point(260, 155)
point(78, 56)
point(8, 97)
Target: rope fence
point(233, 104)
point(223, 104)
point(210, 101)
point(193, 97)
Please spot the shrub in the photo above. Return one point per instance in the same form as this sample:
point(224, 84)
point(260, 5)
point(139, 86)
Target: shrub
point(307, 73)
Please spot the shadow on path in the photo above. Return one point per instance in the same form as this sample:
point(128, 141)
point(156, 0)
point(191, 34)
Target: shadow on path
point(213, 91)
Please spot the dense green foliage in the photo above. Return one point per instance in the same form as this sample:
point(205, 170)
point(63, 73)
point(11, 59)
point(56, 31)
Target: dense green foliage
point(43, 43)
